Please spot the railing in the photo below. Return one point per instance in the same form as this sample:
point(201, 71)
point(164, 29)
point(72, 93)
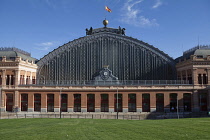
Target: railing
point(111, 82)
point(105, 115)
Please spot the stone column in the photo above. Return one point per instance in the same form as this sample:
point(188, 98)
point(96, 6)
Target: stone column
point(195, 102)
point(57, 101)
point(17, 100)
point(139, 102)
point(3, 77)
point(31, 102)
point(97, 102)
point(70, 102)
point(30, 79)
point(125, 102)
point(83, 102)
point(111, 102)
point(186, 76)
point(167, 102)
point(208, 76)
point(3, 101)
point(202, 79)
point(195, 76)
point(43, 102)
point(25, 76)
point(152, 102)
point(17, 77)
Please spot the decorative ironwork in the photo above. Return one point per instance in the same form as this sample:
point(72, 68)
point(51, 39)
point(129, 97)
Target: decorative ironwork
point(128, 58)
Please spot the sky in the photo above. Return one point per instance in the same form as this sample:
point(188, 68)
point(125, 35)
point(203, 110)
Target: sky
point(40, 26)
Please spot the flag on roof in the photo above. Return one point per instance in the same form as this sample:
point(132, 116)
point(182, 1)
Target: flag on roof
point(108, 9)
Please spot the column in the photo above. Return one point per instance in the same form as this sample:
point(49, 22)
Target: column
point(30, 78)
point(70, 102)
point(17, 100)
point(97, 102)
point(208, 76)
point(83, 102)
point(167, 102)
point(180, 101)
point(3, 101)
point(17, 77)
point(43, 102)
point(195, 76)
point(195, 102)
point(111, 102)
point(57, 101)
point(139, 102)
point(202, 79)
point(125, 102)
point(186, 76)
point(152, 102)
point(3, 77)
point(31, 102)
point(25, 76)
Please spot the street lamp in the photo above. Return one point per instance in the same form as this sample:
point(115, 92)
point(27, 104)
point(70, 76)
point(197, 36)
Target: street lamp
point(177, 107)
point(0, 101)
point(117, 102)
point(60, 102)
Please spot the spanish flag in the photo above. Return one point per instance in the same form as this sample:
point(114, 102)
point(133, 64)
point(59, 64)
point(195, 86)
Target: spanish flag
point(107, 9)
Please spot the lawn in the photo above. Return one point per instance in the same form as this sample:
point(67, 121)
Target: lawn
point(93, 129)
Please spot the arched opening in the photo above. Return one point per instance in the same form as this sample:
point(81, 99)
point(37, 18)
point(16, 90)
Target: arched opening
point(173, 102)
point(9, 102)
point(64, 102)
point(160, 102)
point(24, 102)
point(37, 102)
point(187, 102)
point(50, 102)
point(77, 102)
point(146, 102)
point(131, 102)
point(91, 103)
point(104, 102)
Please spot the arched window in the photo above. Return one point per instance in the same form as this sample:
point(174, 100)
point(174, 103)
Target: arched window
point(160, 102)
point(91, 103)
point(37, 102)
point(50, 102)
point(131, 102)
point(104, 103)
point(146, 102)
point(187, 101)
point(24, 102)
point(173, 102)
point(77, 102)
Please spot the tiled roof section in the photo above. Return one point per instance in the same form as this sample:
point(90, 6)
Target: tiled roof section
point(12, 53)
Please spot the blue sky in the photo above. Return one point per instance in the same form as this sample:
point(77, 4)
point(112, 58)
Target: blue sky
point(40, 26)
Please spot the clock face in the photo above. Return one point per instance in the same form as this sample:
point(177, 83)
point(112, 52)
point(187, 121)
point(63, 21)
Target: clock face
point(105, 73)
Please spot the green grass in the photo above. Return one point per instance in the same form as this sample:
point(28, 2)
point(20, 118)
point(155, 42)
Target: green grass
point(93, 129)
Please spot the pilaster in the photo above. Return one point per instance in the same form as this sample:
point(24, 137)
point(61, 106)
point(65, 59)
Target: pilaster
point(139, 102)
point(97, 102)
point(195, 101)
point(166, 102)
point(83, 102)
point(111, 102)
point(125, 102)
